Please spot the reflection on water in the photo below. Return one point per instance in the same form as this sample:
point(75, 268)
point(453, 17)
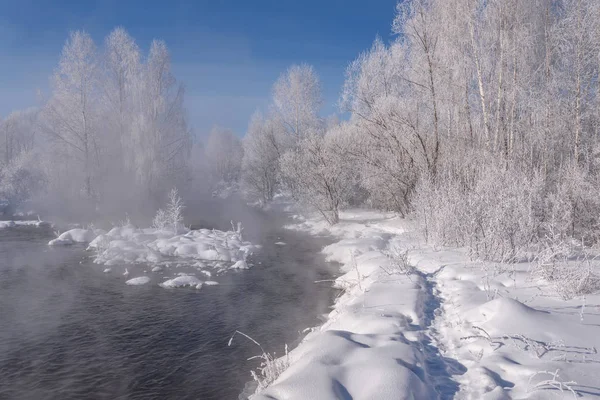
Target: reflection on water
point(70, 331)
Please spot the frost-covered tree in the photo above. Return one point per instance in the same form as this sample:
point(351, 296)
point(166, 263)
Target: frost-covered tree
point(18, 133)
point(160, 134)
point(71, 114)
point(395, 142)
point(321, 171)
point(263, 145)
point(115, 124)
point(121, 83)
point(223, 155)
point(297, 100)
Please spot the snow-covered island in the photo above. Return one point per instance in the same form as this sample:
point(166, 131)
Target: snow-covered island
point(128, 245)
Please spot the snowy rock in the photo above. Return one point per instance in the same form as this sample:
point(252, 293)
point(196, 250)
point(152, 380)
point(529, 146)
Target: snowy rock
point(74, 236)
point(182, 281)
point(240, 265)
point(140, 280)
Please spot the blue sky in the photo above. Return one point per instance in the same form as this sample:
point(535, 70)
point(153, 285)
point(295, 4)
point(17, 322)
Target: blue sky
point(227, 53)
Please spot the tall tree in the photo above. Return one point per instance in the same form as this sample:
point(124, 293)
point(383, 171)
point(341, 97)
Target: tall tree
point(263, 147)
point(121, 84)
point(297, 100)
point(71, 112)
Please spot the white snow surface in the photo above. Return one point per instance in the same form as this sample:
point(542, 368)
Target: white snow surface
point(182, 281)
point(128, 244)
point(140, 280)
point(32, 223)
point(76, 235)
point(447, 330)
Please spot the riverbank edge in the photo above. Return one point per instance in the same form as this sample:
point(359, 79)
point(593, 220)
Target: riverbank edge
point(419, 322)
point(374, 343)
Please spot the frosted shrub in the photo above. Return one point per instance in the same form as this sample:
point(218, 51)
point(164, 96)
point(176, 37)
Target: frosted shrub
point(573, 208)
point(20, 178)
point(569, 275)
point(160, 220)
point(399, 261)
point(495, 213)
point(170, 218)
point(270, 367)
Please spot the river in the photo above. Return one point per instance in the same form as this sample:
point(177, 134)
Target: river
point(70, 331)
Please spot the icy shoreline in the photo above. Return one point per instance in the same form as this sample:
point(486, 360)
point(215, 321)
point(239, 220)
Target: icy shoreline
point(419, 323)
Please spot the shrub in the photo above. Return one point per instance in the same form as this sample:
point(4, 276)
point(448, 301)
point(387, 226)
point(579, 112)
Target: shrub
point(172, 217)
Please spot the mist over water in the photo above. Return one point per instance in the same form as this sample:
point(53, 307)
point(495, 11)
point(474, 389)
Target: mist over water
point(70, 331)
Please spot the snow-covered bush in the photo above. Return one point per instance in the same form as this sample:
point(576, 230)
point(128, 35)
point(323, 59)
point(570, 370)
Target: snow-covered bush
point(494, 211)
point(572, 208)
point(569, 272)
point(20, 179)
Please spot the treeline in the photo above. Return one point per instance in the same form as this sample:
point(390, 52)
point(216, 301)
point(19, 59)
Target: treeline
point(113, 127)
point(481, 119)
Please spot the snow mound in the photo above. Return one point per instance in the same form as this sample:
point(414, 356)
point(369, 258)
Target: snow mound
point(128, 244)
point(140, 280)
point(241, 264)
point(74, 236)
point(182, 281)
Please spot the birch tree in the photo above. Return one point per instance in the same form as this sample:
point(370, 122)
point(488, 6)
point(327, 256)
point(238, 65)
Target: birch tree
point(71, 113)
point(321, 171)
point(223, 156)
point(160, 133)
point(263, 145)
point(297, 100)
point(121, 85)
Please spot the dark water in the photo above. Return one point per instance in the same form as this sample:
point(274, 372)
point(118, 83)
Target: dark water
point(70, 331)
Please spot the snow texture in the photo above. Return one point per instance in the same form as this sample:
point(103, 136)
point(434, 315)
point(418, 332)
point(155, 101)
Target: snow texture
point(33, 223)
point(420, 323)
point(73, 236)
point(128, 244)
point(182, 281)
point(140, 280)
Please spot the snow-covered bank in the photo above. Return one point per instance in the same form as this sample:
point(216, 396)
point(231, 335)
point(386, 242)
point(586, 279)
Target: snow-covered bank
point(419, 323)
